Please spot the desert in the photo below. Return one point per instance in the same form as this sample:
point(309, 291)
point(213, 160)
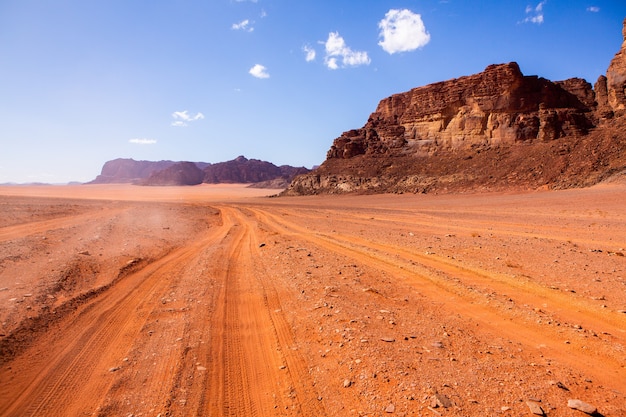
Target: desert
point(119, 300)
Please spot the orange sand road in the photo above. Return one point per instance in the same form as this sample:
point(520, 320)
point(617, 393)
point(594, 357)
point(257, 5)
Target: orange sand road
point(206, 302)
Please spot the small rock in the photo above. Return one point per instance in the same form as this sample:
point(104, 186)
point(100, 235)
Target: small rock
point(535, 408)
point(559, 384)
point(261, 245)
point(390, 409)
point(115, 368)
point(347, 383)
point(388, 339)
point(200, 368)
point(85, 252)
point(582, 406)
point(440, 400)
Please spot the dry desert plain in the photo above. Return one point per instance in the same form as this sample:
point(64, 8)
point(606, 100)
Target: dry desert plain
point(217, 301)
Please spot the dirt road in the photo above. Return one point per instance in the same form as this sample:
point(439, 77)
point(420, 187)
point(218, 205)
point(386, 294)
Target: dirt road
point(372, 305)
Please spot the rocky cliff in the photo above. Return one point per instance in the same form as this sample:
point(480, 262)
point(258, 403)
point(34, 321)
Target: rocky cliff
point(495, 129)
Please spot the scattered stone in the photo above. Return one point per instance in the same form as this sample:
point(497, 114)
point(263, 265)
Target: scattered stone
point(558, 384)
point(582, 406)
point(347, 383)
point(85, 252)
point(438, 345)
point(390, 409)
point(200, 368)
point(535, 408)
point(114, 369)
point(261, 245)
point(440, 400)
point(388, 339)
point(505, 408)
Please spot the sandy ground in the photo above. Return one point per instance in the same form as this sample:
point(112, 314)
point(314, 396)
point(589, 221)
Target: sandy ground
point(216, 301)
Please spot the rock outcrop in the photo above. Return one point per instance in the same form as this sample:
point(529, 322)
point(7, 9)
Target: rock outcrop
point(497, 106)
point(616, 79)
point(490, 130)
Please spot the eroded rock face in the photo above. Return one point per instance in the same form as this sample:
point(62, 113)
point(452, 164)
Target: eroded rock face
point(616, 79)
point(497, 106)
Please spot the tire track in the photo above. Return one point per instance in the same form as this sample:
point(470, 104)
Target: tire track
point(433, 278)
point(32, 228)
point(95, 337)
point(255, 371)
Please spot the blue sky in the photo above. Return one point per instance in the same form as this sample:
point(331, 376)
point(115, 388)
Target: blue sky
point(86, 81)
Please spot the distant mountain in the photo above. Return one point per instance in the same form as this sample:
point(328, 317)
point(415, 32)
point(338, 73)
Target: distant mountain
point(245, 171)
point(123, 170)
point(181, 173)
point(240, 170)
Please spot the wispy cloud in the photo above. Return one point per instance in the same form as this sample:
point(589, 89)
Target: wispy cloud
point(593, 9)
point(309, 53)
point(336, 49)
point(402, 31)
point(259, 71)
point(244, 25)
point(535, 14)
point(183, 118)
point(143, 141)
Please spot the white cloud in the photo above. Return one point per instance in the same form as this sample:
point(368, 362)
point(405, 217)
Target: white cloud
point(143, 141)
point(593, 9)
point(259, 71)
point(336, 48)
point(402, 31)
point(243, 25)
point(535, 14)
point(309, 53)
point(182, 118)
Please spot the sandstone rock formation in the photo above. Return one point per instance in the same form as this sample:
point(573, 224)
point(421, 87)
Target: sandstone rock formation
point(490, 130)
point(616, 79)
